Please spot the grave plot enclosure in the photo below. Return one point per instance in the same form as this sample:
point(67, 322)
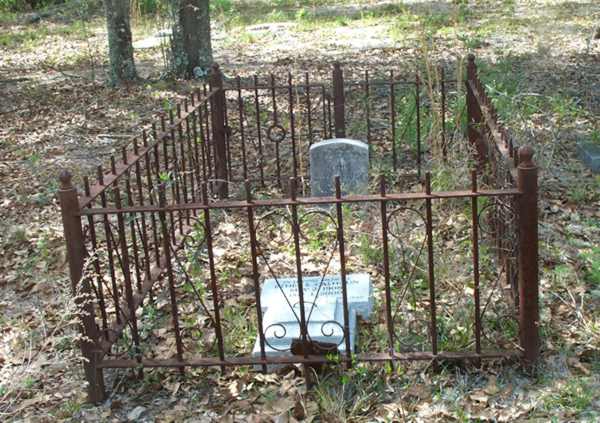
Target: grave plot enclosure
point(171, 246)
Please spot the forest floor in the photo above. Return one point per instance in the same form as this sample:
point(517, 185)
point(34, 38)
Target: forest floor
point(540, 60)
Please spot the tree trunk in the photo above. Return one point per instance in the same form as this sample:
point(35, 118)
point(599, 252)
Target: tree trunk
point(192, 50)
point(120, 48)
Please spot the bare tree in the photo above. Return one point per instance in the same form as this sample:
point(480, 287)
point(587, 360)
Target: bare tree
point(192, 49)
point(120, 47)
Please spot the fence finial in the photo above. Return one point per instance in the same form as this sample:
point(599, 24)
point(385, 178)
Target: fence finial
point(65, 178)
point(526, 157)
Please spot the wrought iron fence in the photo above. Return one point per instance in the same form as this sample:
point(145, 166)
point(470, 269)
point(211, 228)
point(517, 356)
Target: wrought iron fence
point(146, 234)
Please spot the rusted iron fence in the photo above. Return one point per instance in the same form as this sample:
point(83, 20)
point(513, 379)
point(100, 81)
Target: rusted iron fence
point(129, 233)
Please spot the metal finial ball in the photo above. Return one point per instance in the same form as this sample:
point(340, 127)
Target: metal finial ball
point(65, 178)
point(526, 155)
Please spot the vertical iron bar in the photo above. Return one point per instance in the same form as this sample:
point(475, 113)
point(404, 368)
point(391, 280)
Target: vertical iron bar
point(275, 123)
point(213, 274)
point(242, 133)
point(127, 274)
point(308, 109)
point(170, 275)
point(296, 234)
point(255, 273)
point(431, 273)
point(100, 288)
point(529, 315)
point(443, 111)
point(81, 289)
point(418, 123)
point(386, 265)
point(342, 252)
point(475, 245)
point(368, 109)
point(339, 101)
point(393, 118)
point(218, 131)
point(259, 133)
point(292, 125)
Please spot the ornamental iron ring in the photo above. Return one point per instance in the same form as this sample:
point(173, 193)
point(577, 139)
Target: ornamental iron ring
point(278, 136)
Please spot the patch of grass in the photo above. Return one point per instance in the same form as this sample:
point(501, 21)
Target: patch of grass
point(29, 38)
point(68, 409)
point(592, 272)
point(573, 397)
point(347, 396)
point(370, 252)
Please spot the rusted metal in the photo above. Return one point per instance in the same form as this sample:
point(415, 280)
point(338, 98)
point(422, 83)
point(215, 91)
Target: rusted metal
point(80, 286)
point(127, 274)
point(142, 237)
point(418, 124)
point(255, 273)
point(309, 127)
point(393, 119)
point(529, 315)
point(292, 126)
point(276, 141)
point(475, 253)
point(443, 111)
point(241, 127)
point(259, 133)
point(309, 201)
point(218, 131)
point(367, 107)
point(170, 275)
point(342, 253)
point(213, 274)
point(339, 103)
point(474, 118)
point(386, 265)
point(310, 359)
point(430, 266)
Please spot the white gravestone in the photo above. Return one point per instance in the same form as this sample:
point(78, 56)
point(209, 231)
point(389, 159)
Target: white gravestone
point(348, 159)
point(281, 311)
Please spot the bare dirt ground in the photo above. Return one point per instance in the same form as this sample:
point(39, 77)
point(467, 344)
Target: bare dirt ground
point(543, 66)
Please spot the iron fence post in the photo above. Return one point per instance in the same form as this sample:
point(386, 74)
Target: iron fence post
point(339, 105)
point(80, 287)
point(217, 114)
point(528, 257)
point(474, 118)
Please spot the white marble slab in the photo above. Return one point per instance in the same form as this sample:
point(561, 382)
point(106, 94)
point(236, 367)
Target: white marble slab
point(323, 311)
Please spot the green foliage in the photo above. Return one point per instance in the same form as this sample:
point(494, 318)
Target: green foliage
point(371, 253)
point(592, 273)
point(26, 5)
point(575, 396)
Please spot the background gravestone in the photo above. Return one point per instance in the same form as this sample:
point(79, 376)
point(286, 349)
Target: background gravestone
point(344, 157)
point(590, 155)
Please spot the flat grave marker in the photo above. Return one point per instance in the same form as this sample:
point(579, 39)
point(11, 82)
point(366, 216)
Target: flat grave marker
point(281, 311)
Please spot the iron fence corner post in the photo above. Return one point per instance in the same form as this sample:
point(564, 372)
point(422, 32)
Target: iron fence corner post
point(80, 287)
point(339, 105)
point(474, 117)
point(528, 257)
point(217, 114)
